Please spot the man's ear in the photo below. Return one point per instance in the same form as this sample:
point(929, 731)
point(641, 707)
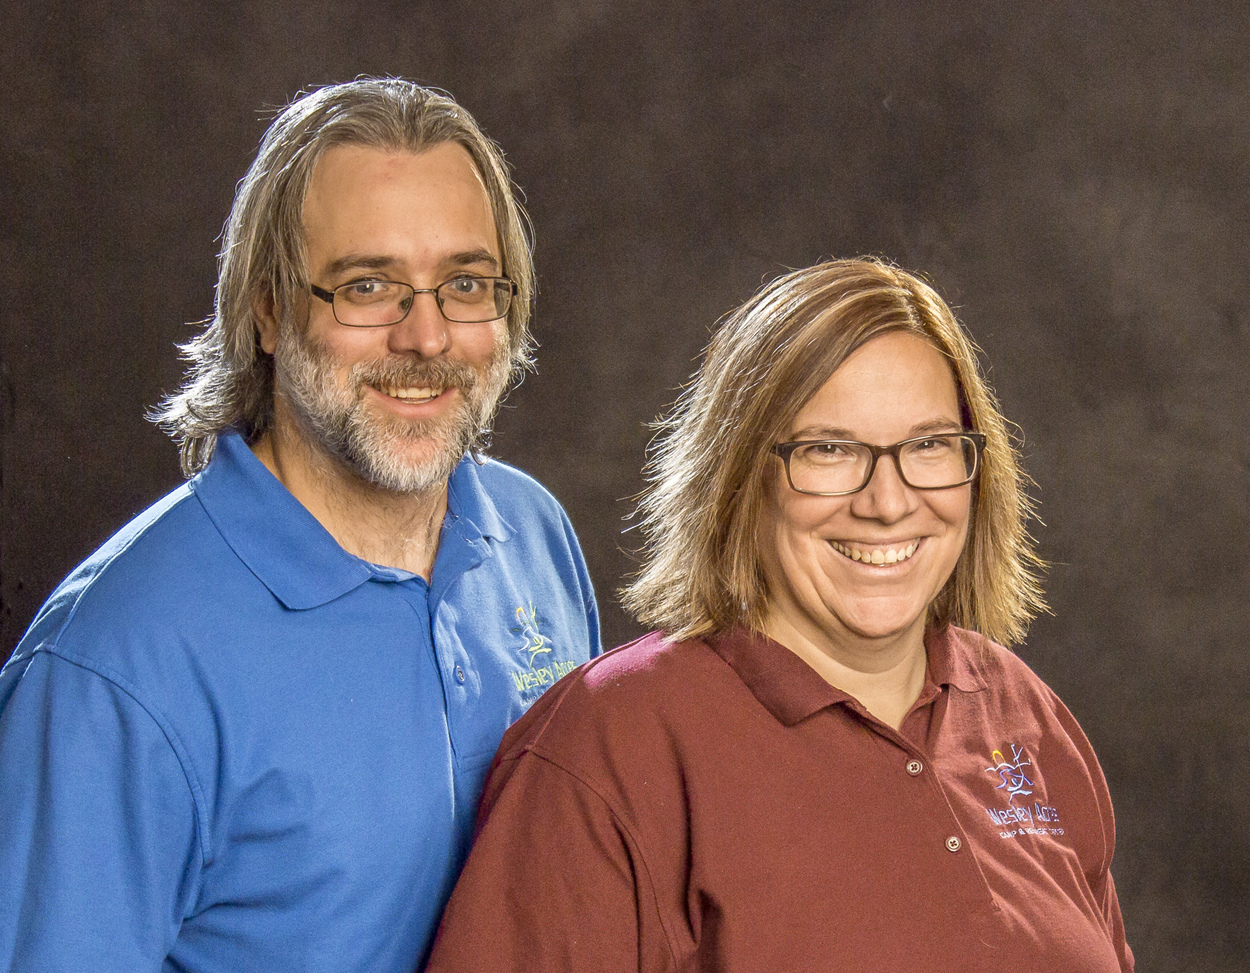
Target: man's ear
point(266, 314)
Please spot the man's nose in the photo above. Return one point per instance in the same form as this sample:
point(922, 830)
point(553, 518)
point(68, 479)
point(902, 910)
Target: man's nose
point(423, 330)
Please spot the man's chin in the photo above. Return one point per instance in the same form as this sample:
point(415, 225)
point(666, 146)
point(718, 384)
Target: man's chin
point(407, 466)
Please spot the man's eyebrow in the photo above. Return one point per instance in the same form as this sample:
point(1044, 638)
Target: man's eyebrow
point(358, 261)
point(472, 257)
point(365, 261)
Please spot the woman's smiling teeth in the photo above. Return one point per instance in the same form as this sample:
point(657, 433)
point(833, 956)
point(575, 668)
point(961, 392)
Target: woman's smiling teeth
point(877, 555)
point(415, 394)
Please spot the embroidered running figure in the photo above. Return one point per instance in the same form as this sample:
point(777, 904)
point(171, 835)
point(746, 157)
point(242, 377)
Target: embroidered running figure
point(1013, 776)
point(535, 642)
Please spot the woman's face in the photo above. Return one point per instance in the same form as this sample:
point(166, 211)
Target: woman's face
point(894, 387)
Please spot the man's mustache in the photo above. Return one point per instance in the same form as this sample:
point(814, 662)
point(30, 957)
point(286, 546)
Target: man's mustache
point(403, 372)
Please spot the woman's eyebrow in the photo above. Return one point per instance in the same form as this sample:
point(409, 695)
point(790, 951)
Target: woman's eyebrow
point(823, 432)
point(938, 425)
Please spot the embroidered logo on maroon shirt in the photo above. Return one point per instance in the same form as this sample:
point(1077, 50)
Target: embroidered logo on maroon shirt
point(1015, 780)
point(1016, 783)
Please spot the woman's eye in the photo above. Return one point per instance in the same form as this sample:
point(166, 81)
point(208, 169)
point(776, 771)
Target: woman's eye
point(826, 453)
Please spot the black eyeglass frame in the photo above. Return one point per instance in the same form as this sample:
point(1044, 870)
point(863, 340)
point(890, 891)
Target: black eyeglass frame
point(328, 297)
point(784, 451)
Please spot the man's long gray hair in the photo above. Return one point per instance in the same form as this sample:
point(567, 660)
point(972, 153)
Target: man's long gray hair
point(230, 378)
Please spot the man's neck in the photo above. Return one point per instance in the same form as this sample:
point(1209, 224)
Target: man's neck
point(399, 530)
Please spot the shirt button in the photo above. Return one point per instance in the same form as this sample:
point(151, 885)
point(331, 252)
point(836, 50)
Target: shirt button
point(914, 767)
point(953, 843)
point(459, 674)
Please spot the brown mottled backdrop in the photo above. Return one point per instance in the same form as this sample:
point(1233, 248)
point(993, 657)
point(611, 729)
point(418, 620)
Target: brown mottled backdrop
point(1074, 178)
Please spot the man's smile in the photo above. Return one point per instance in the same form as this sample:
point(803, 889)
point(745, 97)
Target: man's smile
point(410, 393)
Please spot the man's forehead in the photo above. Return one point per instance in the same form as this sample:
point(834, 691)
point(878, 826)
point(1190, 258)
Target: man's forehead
point(360, 197)
point(345, 167)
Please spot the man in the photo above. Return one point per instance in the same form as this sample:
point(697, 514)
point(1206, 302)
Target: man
point(249, 733)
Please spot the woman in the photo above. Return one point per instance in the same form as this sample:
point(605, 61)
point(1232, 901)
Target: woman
point(820, 764)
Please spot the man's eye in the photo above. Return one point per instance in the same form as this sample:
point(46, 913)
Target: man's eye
point(368, 291)
point(466, 286)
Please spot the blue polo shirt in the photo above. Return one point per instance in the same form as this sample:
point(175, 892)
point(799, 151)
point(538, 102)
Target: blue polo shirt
point(227, 744)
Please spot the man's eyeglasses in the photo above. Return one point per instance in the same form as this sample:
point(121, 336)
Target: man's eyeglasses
point(378, 303)
point(836, 467)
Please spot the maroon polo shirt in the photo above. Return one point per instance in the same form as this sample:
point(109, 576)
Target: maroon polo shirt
point(718, 806)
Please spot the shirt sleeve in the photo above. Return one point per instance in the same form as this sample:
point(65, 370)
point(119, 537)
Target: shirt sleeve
point(98, 846)
point(554, 882)
point(1110, 904)
point(1101, 883)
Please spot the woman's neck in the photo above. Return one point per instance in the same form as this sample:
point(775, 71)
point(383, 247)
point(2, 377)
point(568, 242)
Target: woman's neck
point(886, 675)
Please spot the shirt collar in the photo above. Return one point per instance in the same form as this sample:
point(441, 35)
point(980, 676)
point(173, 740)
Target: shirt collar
point(287, 548)
point(792, 690)
point(472, 524)
point(469, 503)
point(955, 656)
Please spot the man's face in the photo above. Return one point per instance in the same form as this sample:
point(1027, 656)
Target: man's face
point(396, 405)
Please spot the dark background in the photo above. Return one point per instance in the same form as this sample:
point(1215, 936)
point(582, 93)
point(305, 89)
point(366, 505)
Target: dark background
point(1074, 179)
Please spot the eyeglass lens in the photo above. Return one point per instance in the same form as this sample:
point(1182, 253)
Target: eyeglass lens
point(843, 467)
point(376, 303)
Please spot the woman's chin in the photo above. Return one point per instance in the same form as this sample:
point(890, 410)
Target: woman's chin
point(880, 623)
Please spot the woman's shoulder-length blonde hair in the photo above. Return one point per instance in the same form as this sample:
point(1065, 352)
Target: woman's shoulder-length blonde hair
point(711, 465)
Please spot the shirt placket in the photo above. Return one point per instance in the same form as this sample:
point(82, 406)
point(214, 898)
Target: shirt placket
point(921, 784)
point(461, 549)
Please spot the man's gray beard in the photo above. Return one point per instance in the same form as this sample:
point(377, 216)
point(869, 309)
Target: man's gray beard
point(372, 446)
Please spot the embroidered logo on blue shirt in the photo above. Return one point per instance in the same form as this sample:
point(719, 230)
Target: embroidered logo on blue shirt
point(1015, 776)
point(535, 647)
point(536, 643)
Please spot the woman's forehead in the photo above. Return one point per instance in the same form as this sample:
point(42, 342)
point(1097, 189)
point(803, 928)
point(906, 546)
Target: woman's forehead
point(897, 381)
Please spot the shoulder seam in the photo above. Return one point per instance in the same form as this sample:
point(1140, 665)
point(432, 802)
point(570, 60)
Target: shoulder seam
point(621, 823)
point(162, 723)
